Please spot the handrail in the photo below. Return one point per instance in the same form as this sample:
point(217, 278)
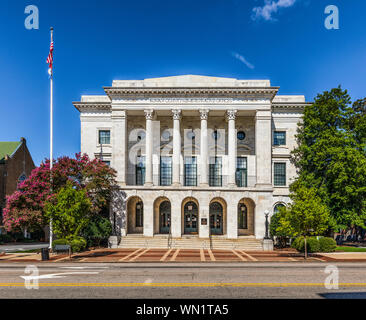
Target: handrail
point(209, 234)
point(170, 237)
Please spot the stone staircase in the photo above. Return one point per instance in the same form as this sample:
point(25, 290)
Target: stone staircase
point(248, 243)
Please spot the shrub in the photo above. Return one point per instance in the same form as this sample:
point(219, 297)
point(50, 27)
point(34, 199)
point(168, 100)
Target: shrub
point(4, 238)
point(312, 244)
point(97, 230)
point(280, 238)
point(327, 244)
point(77, 243)
point(295, 243)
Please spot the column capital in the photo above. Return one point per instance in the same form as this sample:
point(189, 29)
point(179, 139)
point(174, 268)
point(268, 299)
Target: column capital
point(177, 114)
point(231, 114)
point(204, 114)
point(149, 114)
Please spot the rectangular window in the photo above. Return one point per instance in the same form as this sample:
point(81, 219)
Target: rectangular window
point(190, 171)
point(140, 171)
point(107, 162)
point(279, 138)
point(280, 174)
point(165, 171)
point(215, 172)
point(104, 137)
point(241, 172)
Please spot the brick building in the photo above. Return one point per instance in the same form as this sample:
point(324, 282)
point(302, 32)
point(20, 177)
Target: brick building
point(16, 164)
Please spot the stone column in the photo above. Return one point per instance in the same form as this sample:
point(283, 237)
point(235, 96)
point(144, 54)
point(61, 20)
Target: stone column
point(177, 145)
point(176, 215)
point(148, 218)
point(119, 144)
point(149, 148)
point(204, 148)
point(230, 116)
point(232, 220)
point(263, 148)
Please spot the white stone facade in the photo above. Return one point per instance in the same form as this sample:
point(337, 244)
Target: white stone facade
point(207, 118)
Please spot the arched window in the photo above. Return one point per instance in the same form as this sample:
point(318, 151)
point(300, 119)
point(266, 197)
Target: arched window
point(277, 207)
point(139, 214)
point(242, 216)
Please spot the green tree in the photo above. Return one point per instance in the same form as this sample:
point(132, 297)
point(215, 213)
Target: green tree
point(306, 216)
point(331, 157)
point(70, 211)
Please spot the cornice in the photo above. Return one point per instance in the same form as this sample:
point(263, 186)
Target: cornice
point(84, 106)
point(295, 106)
point(115, 92)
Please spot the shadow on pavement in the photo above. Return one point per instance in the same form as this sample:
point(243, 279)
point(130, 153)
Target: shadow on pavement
point(344, 295)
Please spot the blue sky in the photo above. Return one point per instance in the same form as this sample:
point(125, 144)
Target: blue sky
point(99, 41)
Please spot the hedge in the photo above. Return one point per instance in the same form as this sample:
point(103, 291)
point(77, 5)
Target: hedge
point(323, 244)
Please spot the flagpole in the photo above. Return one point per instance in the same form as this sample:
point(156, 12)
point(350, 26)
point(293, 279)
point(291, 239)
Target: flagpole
point(51, 137)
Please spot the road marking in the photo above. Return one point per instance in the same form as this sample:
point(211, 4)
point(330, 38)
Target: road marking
point(202, 254)
point(55, 284)
point(138, 255)
point(292, 259)
point(318, 259)
point(130, 255)
point(212, 257)
point(84, 267)
point(54, 275)
point(248, 255)
point(175, 255)
point(65, 258)
point(148, 281)
point(240, 256)
point(166, 255)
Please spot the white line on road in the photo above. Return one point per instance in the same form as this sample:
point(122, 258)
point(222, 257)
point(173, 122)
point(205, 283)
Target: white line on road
point(54, 275)
point(84, 267)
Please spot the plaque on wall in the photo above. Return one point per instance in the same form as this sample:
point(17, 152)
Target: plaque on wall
point(204, 221)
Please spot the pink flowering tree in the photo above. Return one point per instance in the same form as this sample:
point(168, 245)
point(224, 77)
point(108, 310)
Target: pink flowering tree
point(25, 207)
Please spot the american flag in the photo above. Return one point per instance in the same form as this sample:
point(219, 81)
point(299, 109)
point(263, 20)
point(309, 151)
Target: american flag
point(50, 59)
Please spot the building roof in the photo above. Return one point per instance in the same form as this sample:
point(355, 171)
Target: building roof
point(8, 148)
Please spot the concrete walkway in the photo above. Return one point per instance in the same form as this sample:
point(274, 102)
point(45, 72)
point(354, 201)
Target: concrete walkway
point(164, 256)
point(146, 255)
point(19, 246)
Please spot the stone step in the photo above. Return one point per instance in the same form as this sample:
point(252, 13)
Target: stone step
point(138, 241)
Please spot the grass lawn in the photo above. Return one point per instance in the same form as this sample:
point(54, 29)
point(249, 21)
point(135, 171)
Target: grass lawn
point(350, 249)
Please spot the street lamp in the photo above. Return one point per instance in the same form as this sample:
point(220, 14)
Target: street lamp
point(266, 213)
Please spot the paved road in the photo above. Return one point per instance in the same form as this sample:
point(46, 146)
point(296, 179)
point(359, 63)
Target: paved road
point(230, 280)
point(22, 246)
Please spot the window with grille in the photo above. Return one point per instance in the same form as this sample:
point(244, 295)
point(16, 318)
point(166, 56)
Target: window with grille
point(165, 171)
point(190, 171)
point(279, 138)
point(140, 171)
point(241, 172)
point(280, 174)
point(215, 172)
point(104, 137)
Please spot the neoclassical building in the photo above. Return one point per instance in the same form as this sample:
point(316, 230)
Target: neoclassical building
point(199, 159)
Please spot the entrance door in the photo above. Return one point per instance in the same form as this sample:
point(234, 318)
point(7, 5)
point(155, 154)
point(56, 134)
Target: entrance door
point(190, 218)
point(164, 213)
point(216, 214)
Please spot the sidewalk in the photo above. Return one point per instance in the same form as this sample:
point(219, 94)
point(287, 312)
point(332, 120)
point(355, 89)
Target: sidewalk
point(183, 255)
point(163, 255)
